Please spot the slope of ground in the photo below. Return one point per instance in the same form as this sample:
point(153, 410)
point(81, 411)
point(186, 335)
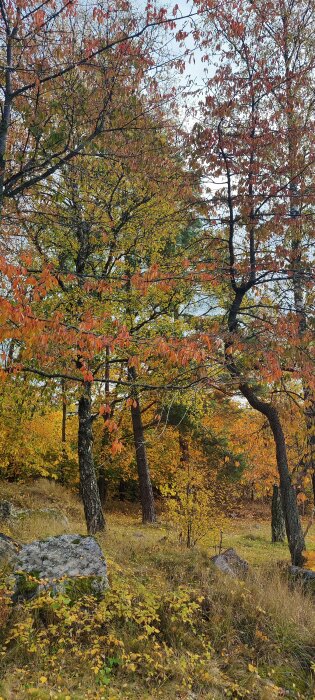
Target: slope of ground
point(169, 627)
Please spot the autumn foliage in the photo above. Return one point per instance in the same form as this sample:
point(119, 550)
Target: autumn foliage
point(156, 280)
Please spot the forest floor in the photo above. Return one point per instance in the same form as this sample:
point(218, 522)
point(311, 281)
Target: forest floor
point(170, 626)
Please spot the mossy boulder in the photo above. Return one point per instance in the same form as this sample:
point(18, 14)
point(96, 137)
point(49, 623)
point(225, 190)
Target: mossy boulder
point(67, 562)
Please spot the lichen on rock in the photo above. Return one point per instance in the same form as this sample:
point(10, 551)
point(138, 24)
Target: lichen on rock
point(67, 562)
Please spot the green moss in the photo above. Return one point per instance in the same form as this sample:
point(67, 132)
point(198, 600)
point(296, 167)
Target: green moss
point(82, 586)
point(26, 587)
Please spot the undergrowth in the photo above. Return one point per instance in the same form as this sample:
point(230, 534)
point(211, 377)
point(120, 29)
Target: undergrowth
point(170, 627)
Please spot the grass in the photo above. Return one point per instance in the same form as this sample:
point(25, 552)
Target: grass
point(170, 627)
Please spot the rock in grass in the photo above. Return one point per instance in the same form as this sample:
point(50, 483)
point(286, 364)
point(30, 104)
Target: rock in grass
point(7, 510)
point(229, 562)
point(45, 513)
point(68, 563)
point(305, 576)
point(9, 550)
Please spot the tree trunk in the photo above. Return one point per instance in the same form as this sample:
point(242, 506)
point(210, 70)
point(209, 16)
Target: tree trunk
point(63, 432)
point(102, 484)
point(88, 484)
point(102, 481)
point(288, 494)
point(7, 108)
point(309, 413)
point(122, 490)
point(64, 414)
point(277, 517)
point(183, 446)
point(313, 485)
point(145, 485)
point(184, 450)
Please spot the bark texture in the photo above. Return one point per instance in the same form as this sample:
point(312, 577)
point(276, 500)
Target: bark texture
point(293, 526)
point(288, 494)
point(7, 107)
point(102, 484)
point(184, 451)
point(145, 485)
point(63, 431)
point(277, 517)
point(94, 517)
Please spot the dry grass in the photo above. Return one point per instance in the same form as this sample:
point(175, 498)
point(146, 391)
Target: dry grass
point(261, 630)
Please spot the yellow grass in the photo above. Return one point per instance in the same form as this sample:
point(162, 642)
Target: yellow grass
point(261, 631)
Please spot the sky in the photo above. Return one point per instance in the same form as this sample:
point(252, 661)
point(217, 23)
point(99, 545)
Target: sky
point(196, 68)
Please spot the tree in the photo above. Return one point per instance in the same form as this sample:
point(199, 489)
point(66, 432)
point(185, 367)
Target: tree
point(145, 484)
point(73, 313)
point(244, 142)
point(297, 69)
point(196, 493)
point(29, 407)
point(58, 100)
point(56, 58)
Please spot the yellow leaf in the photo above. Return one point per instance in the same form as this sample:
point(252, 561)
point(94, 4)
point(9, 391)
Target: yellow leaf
point(132, 667)
point(252, 669)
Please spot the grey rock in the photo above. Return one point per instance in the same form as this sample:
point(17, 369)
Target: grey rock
point(229, 562)
point(304, 575)
point(8, 550)
point(7, 510)
point(59, 562)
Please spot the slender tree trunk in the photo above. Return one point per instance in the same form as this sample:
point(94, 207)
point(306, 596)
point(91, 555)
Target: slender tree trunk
point(63, 431)
point(102, 481)
point(307, 463)
point(189, 542)
point(277, 517)
point(184, 451)
point(122, 490)
point(88, 484)
point(288, 494)
point(145, 485)
point(7, 108)
point(309, 416)
point(64, 418)
point(183, 446)
point(102, 485)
